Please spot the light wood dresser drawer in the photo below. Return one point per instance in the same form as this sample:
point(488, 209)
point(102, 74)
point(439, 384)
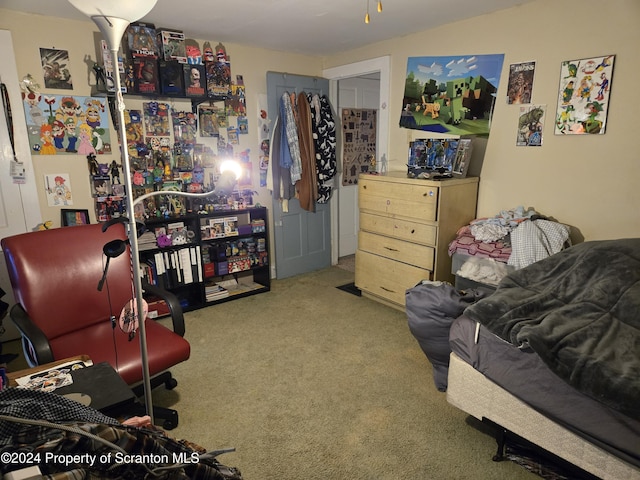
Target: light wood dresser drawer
point(386, 278)
point(400, 250)
point(406, 225)
point(414, 201)
point(402, 229)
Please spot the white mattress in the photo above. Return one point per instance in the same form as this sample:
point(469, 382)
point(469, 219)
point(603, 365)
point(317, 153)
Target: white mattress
point(470, 391)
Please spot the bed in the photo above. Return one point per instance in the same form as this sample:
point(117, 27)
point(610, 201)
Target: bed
point(553, 356)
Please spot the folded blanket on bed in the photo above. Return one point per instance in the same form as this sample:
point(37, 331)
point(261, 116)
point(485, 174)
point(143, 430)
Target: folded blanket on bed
point(579, 310)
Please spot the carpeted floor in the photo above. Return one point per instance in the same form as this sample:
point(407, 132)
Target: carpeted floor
point(348, 263)
point(311, 382)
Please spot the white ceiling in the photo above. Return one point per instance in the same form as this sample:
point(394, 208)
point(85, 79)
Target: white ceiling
point(321, 27)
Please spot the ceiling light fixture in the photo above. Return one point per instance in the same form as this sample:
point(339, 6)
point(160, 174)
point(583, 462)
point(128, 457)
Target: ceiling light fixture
point(367, 18)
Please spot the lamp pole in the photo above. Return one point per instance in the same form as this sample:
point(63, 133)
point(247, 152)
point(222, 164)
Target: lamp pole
point(133, 237)
point(113, 28)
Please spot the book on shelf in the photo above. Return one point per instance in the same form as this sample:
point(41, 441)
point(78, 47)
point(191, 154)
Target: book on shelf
point(147, 241)
point(215, 292)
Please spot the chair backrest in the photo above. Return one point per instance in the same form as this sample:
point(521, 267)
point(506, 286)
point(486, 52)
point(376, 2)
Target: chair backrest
point(55, 275)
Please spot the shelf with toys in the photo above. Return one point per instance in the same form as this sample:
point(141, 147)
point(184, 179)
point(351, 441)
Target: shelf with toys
point(160, 62)
point(207, 257)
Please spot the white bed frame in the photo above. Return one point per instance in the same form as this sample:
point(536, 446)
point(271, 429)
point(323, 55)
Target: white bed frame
point(475, 394)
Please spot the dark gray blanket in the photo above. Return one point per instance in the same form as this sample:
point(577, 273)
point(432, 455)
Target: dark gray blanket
point(579, 310)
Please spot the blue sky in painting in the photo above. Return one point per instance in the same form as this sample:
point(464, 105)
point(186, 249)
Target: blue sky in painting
point(445, 68)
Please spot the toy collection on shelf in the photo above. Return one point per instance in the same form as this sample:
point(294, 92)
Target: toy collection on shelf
point(161, 140)
point(208, 257)
point(164, 62)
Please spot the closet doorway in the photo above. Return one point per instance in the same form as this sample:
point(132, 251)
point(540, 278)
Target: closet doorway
point(357, 85)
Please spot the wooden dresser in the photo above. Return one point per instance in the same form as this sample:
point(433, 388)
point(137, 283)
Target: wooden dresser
point(406, 226)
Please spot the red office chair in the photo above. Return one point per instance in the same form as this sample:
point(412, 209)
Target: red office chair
point(60, 311)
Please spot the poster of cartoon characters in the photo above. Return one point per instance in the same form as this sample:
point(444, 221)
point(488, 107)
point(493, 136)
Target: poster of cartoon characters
point(583, 96)
point(67, 124)
point(451, 94)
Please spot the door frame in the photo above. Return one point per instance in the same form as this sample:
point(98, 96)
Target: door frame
point(24, 214)
point(381, 65)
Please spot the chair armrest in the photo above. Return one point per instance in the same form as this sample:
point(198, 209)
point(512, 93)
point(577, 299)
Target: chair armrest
point(173, 303)
point(31, 333)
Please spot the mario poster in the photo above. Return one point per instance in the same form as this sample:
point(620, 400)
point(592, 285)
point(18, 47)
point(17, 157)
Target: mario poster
point(66, 124)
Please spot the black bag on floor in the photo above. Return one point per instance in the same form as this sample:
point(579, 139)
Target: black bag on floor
point(431, 308)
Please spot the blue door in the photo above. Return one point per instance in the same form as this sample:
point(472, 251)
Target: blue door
point(302, 238)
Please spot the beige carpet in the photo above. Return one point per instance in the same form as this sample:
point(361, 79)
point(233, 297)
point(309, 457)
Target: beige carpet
point(310, 382)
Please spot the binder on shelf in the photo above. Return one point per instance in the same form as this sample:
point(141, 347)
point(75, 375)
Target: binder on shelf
point(186, 266)
point(199, 258)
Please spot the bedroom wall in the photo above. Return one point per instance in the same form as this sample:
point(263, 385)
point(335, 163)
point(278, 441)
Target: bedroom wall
point(585, 181)
point(31, 32)
point(589, 182)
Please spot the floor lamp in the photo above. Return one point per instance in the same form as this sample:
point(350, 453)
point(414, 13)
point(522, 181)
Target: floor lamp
point(112, 18)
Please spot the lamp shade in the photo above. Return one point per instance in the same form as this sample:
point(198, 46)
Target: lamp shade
point(129, 10)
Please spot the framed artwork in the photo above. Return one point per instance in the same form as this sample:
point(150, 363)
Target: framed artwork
point(74, 217)
point(583, 96)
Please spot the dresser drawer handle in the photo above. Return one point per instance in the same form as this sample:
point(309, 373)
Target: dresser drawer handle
point(386, 289)
point(391, 249)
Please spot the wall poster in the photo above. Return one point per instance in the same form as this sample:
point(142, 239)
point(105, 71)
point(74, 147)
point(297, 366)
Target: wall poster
point(67, 124)
point(451, 94)
point(583, 96)
point(359, 143)
point(55, 68)
point(520, 83)
point(530, 125)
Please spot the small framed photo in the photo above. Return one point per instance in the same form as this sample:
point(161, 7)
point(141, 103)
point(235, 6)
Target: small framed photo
point(74, 217)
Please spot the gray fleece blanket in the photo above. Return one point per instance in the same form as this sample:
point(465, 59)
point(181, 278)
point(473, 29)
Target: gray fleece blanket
point(579, 310)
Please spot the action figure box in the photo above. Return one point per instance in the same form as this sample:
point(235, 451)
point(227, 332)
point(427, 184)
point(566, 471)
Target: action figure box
point(108, 69)
point(145, 75)
point(194, 80)
point(142, 40)
point(171, 77)
point(172, 45)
